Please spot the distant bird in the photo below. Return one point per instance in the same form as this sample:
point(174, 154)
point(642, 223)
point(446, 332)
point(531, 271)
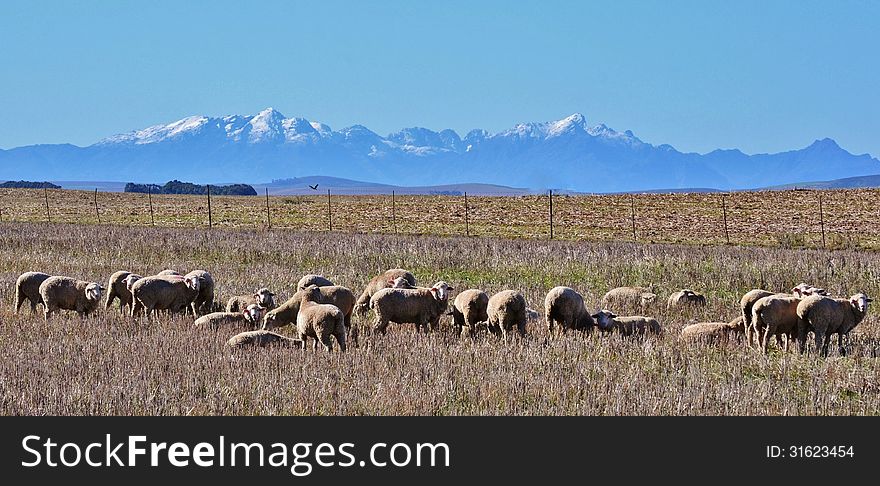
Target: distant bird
point(314, 188)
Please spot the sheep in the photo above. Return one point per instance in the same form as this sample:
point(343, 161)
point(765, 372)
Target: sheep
point(204, 301)
point(628, 298)
point(608, 322)
point(775, 315)
point(826, 316)
point(65, 293)
point(401, 283)
point(748, 301)
point(713, 332)
point(379, 282)
point(168, 273)
point(249, 318)
point(507, 309)
point(263, 297)
point(420, 306)
point(27, 286)
point(172, 292)
point(312, 279)
point(320, 321)
point(565, 306)
point(262, 338)
point(129, 280)
point(286, 313)
point(468, 309)
point(685, 297)
point(118, 287)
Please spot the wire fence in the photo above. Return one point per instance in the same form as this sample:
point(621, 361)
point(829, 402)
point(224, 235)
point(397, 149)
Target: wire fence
point(799, 218)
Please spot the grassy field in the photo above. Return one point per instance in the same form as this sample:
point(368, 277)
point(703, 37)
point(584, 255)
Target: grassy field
point(787, 219)
point(110, 364)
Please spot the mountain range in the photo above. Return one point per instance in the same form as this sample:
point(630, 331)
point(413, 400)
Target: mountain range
point(567, 154)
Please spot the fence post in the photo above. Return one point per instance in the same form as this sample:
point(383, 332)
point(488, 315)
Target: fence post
point(210, 219)
point(46, 194)
point(268, 219)
point(393, 213)
point(724, 214)
point(150, 198)
point(632, 214)
point(551, 214)
point(97, 213)
point(1, 215)
point(821, 220)
point(329, 212)
point(467, 229)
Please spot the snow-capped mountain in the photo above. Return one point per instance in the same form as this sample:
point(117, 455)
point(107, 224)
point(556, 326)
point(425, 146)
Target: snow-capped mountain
point(568, 153)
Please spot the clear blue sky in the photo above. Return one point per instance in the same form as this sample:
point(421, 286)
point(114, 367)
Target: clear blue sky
point(761, 76)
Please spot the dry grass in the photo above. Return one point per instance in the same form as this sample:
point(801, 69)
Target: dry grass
point(787, 219)
point(108, 364)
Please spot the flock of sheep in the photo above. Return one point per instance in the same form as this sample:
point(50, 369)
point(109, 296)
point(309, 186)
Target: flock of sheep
point(323, 311)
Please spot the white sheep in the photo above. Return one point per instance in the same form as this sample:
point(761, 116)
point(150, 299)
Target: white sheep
point(420, 306)
point(685, 297)
point(506, 310)
point(65, 293)
point(286, 313)
point(118, 288)
point(27, 287)
point(748, 301)
point(204, 301)
point(173, 293)
point(565, 306)
point(262, 338)
point(468, 309)
point(384, 280)
point(249, 318)
point(826, 316)
point(607, 321)
point(713, 332)
point(312, 279)
point(262, 297)
point(320, 321)
point(628, 298)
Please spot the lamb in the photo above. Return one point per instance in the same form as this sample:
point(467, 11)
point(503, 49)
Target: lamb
point(262, 338)
point(628, 298)
point(775, 315)
point(609, 322)
point(826, 316)
point(379, 282)
point(173, 293)
point(65, 293)
point(565, 306)
point(713, 332)
point(204, 301)
point(320, 321)
point(118, 287)
point(468, 309)
point(420, 306)
point(249, 318)
point(312, 279)
point(507, 309)
point(27, 286)
point(685, 297)
point(263, 297)
point(286, 313)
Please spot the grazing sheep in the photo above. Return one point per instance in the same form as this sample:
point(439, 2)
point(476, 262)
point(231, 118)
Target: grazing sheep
point(379, 282)
point(263, 297)
point(506, 310)
point(65, 293)
point(27, 286)
point(249, 318)
point(171, 292)
point(628, 298)
point(420, 306)
point(713, 332)
point(319, 321)
point(204, 301)
point(167, 273)
point(565, 306)
point(685, 297)
point(748, 301)
point(312, 279)
point(262, 338)
point(118, 287)
point(468, 309)
point(286, 313)
point(826, 316)
point(609, 322)
point(775, 315)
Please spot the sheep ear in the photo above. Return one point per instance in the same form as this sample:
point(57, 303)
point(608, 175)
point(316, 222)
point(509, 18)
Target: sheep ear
point(450, 288)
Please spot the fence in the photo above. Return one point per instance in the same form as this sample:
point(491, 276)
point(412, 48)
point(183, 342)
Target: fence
point(831, 219)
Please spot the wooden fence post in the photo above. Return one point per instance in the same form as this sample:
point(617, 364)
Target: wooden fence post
point(632, 214)
point(724, 215)
point(551, 214)
point(329, 213)
point(268, 218)
point(46, 194)
point(97, 213)
point(150, 198)
point(210, 219)
point(467, 229)
point(393, 213)
point(1, 215)
point(821, 220)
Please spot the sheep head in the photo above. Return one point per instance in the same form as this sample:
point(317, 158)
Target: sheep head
point(804, 289)
point(399, 283)
point(265, 297)
point(860, 302)
point(441, 290)
point(193, 282)
point(130, 280)
point(270, 320)
point(254, 313)
point(93, 291)
point(648, 299)
point(604, 319)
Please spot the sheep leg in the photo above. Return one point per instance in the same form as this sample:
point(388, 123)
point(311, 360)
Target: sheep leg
point(551, 323)
point(340, 337)
point(521, 327)
point(780, 344)
point(765, 340)
point(381, 325)
point(802, 338)
point(820, 338)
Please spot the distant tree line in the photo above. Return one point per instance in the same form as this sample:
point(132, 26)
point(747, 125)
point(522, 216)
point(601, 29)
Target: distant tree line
point(28, 185)
point(177, 187)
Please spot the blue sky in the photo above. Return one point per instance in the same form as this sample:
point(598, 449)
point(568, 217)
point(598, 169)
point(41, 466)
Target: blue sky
point(760, 76)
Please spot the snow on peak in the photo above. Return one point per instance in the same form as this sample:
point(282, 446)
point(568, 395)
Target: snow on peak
point(569, 124)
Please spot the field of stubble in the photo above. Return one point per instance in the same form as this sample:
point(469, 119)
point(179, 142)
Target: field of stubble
point(110, 364)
